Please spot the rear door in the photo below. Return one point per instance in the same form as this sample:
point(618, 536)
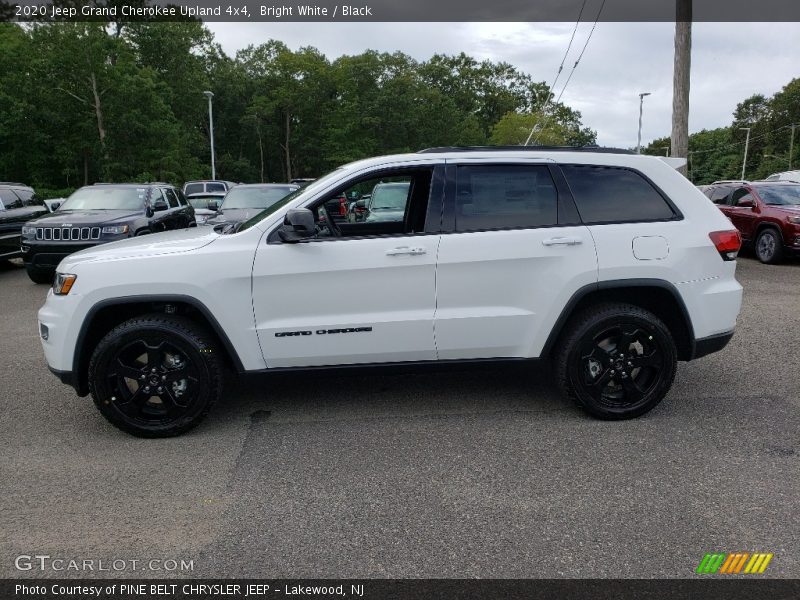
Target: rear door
point(513, 251)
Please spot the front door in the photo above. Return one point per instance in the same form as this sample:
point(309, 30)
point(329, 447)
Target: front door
point(359, 292)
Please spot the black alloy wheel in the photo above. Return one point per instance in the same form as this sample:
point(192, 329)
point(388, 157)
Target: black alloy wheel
point(616, 361)
point(155, 376)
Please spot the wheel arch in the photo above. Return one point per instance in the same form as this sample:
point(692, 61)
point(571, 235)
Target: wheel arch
point(107, 314)
point(769, 225)
point(656, 295)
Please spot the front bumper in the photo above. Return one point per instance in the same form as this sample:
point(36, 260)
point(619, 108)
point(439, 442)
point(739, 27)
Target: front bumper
point(38, 254)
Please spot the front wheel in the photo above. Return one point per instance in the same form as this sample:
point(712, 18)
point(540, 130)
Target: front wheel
point(616, 361)
point(769, 246)
point(156, 375)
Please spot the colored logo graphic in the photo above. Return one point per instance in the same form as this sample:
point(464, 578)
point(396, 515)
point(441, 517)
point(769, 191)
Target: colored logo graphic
point(734, 563)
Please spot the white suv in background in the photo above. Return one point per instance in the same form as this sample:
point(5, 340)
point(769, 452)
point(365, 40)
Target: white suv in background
point(611, 265)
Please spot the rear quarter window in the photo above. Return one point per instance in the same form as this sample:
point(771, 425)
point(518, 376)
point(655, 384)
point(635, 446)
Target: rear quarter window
point(615, 195)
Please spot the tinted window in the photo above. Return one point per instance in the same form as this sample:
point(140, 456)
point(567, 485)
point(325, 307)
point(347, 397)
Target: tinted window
point(503, 196)
point(193, 188)
point(10, 199)
point(719, 195)
point(181, 197)
point(614, 195)
point(215, 187)
point(172, 199)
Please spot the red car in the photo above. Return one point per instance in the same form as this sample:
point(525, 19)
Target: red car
point(766, 213)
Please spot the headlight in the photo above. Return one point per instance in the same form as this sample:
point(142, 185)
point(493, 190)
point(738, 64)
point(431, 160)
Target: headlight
point(795, 220)
point(28, 230)
point(63, 283)
point(116, 229)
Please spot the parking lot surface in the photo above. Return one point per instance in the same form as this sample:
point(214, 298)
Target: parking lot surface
point(458, 474)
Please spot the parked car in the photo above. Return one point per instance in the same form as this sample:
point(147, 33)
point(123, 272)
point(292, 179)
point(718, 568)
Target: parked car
point(207, 185)
point(18, 204)
point(206, 205)
point(247, 200)
point(766, 213)
point(97, 214)
point(793, 176)
point(602, 262)
point(357, 209)
point(387, 202)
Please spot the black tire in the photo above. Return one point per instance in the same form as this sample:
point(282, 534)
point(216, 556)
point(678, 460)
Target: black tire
point(156, 375)
point(769, 246)
point(610, 382)
point(40, 274)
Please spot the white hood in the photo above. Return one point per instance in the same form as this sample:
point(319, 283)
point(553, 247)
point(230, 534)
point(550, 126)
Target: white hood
point(168, 242)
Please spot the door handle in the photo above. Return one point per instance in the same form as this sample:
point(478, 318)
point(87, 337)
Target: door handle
point(403, 250)
point(562, 241)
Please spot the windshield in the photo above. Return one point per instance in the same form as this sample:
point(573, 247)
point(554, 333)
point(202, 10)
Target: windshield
point(201, 201)
point(310, 188)
point(390, 196)
point(256, 197)
point(106, 198)
point(788, 195)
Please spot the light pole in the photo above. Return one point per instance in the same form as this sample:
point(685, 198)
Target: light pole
point(791, 147)
point(210, 95)
point(746, 146)
point(641, 108)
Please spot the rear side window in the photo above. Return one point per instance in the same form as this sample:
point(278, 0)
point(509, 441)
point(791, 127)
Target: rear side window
point(615, 195)
point(172, 199)
point(193, 188)
point(505, 196)
point(720, 195)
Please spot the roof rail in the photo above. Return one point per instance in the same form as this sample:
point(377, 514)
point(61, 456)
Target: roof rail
point(741, 181)
point(525, 148)
point(131, 183)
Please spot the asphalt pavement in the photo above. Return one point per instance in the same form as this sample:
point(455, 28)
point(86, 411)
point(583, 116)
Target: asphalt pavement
point(458, 474)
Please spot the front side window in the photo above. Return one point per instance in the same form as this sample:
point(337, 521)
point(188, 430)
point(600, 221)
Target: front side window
point(504, 196)
point(615, 195)
point(741, 197)
point(10, 199)
point(106, 198)
point(391, 203)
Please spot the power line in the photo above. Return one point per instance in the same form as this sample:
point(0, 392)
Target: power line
point(575, 66)
point(560, 68)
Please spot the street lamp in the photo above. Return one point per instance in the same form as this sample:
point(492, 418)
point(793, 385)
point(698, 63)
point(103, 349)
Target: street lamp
point(210, 95)
point(746, 146)
point(641, 108)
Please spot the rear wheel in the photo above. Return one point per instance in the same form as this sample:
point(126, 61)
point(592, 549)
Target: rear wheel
point(40, 274)
point(156, 376)
point(616, 361)
point(769, 246)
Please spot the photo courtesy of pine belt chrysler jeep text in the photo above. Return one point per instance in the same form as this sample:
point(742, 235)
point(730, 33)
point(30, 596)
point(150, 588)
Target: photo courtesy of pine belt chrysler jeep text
point(612, 266)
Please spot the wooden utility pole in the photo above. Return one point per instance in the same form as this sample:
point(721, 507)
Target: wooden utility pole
point(680, 80)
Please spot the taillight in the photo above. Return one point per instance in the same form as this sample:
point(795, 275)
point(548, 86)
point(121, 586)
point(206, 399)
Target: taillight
point(728, 243)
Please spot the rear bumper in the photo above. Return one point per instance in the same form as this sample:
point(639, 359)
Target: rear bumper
point(711, 344)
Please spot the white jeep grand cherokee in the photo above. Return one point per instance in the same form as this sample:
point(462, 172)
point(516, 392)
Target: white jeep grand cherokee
point(611, 265)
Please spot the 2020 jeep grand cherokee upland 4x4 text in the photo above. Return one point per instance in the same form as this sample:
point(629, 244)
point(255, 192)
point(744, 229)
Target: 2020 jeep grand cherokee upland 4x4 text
point(612, 265)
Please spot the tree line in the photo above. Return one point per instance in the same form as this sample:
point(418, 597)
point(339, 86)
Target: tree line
point(88, 102)
point(718, 154)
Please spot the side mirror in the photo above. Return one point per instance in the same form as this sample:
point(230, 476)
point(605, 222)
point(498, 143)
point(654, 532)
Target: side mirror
point(361, 204)
point(159, 205)
point(745, 204)
point(213, 205)
point(298, 225)
point(54, 206)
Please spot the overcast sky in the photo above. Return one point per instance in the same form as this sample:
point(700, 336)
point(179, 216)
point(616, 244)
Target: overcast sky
point(730, 61)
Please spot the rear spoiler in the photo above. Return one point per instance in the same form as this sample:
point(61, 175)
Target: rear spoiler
point(675, 163)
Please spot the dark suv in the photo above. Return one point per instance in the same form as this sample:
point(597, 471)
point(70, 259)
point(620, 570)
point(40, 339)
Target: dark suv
point(766, 213)
point(101, 213)
point(18, 204)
